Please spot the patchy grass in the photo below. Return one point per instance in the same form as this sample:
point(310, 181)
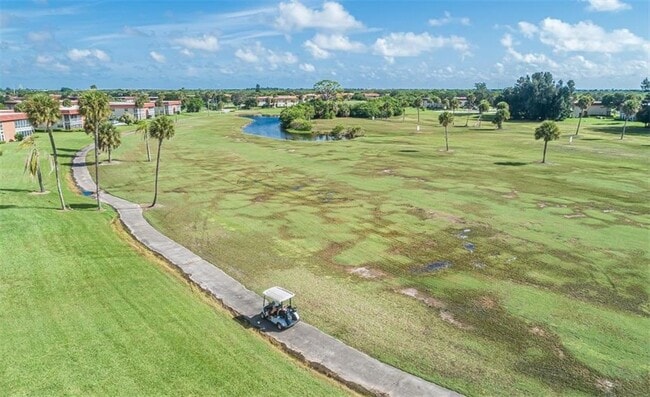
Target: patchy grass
point(551, 297)
point(84, 313)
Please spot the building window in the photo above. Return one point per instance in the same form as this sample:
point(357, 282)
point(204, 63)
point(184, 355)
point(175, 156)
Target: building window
point(2, 134)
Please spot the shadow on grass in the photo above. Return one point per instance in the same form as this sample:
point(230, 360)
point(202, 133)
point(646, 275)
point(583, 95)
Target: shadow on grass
point(409, 151)
point(511, 163)
point(618, 129)
point(16, 190)
point(591, 139)
point(83, 206)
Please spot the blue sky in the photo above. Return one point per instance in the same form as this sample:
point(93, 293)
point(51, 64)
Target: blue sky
point(294, 43)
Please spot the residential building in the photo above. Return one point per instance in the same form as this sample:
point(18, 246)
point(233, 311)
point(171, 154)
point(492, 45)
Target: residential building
point(596, 109)
point(12, 123)
point(118, 109)
point(278, 101)
point(71, 119)
point(169, 107)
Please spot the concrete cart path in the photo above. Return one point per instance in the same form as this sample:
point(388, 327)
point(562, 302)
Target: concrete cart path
point(321, 351)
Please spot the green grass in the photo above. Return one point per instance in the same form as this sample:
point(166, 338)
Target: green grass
point(553, 300)
point(85, 311)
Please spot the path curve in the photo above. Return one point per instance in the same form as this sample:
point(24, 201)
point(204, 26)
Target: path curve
point(319, 350)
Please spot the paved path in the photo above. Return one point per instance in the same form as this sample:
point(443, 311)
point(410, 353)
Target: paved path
point(321, 351)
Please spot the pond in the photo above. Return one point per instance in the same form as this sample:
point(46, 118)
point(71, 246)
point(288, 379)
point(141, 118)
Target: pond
point(269, 127)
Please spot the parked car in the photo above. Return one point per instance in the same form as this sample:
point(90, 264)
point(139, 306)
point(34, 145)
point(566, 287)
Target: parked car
point(278, 309)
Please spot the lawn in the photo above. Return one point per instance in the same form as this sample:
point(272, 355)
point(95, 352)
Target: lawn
point(84, 310)
point(480, 269)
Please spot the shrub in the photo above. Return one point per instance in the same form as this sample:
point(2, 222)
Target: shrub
point(300, 125)
point(19, 137)
point(354, 132)
point(127, 118)
point(337, 131)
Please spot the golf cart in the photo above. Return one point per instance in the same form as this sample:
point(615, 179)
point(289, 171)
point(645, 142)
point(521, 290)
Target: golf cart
point(276, 310)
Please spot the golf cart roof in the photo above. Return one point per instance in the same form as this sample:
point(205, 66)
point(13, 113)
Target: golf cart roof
point(278, 294)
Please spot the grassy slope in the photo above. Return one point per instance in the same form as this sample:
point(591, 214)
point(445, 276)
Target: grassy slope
point(553, 300)
point(82, 313)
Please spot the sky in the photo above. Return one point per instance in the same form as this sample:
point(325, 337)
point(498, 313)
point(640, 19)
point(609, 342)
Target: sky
point(220, 44)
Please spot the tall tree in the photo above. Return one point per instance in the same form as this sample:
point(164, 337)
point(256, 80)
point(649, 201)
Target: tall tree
point(33, 160)
point(109, 139)
point(548, 131)
point(454, 103)
point(645, 85)
point(43, 110)
point(161, 128)
point(481, 92)
point(584, 101)
point(327, 89)
point(417, 102)
point(539, 97)
point(446, 118)
point(94, 106)
point(502, 114)
point(140, 100)
point(483, 107)
point(143, 127)
point(469, 105)
point(629, 108)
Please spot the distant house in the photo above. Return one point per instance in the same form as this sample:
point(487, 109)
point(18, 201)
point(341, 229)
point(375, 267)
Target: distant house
point(371, 95)
point(462, 101)
point(169, 107)
point(12, 123)
point(118, 109)
point(279, 101)
point(70, 118)
point(596, 109)
point(427, 103)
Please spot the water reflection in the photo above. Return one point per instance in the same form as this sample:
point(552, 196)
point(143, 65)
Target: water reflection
point(269, 127)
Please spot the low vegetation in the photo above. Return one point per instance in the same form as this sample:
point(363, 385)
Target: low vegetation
point(85, 311)
point(481, 268)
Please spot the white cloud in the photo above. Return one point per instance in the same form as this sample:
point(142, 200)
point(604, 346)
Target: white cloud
point(607, 5)
point(204, 43)
point(586, 36)
point(530, 58)
point(411, 44)
point(337, 42)
point(507, 41)
point(294, 16)
point(307, 67)
point(187, 52)
point(528, 29)
point(39, 37)
point(447, 19)
point(316, 51)
point(321, 45)
point(160, 58)
point(246, 55)
point(48, 62)
point(259, 54)
point(88, 55)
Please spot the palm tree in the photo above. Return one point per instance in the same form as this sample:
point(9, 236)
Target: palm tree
point(94, 106)
point(417, 102)
point(143, 127)
point(454, 104)
point(584, 101)
point(629, 108)
point(548, 131)
point(33, 161)
point(502, 114)
point(483, 107)
point(446, 118)
point(109, 138)
point(161, 128)
point(469, 105)
point(42, 109)
point(140, 100)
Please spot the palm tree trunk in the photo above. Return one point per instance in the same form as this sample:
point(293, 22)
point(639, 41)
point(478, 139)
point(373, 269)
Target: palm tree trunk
point(56, 166)
point(403, 114)
point(146, 142)
point(467, 120)
point(110, 158)
point(446, 140)
point(155, 195)
point(40, 178)
point(479, 120)
point(624, 125)
point(418, 115)
point(99, 203)
point(544, 156)
point(579, 121)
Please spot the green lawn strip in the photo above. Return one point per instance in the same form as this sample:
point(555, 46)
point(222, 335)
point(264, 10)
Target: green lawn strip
point(307, 214)
point(83, 313)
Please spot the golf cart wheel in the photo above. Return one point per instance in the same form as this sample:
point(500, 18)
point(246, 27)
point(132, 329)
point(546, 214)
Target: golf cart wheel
point(279, 325)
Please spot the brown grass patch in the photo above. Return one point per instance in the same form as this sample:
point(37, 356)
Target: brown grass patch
point(367, 272)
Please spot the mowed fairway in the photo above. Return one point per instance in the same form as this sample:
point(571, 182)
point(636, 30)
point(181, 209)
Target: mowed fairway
point(479, 269)
point(84, 312)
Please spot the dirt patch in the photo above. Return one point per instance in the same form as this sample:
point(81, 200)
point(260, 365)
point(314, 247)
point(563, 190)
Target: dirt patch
point(366, 272)
point(571, 216)
point(542, 205)
point(39, 193)
point(605, 385)
point(70, 183)
point(449, 317)
point(538, 331)
point(422, 297)
point(114, 162)
point(487, 302)
point(512, 195)
point(443, 215)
